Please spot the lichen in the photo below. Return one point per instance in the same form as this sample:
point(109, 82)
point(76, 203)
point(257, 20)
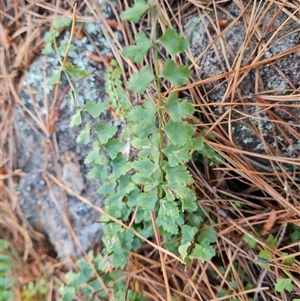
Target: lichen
point(33, 190)
point(248, 140)
point(259, 146)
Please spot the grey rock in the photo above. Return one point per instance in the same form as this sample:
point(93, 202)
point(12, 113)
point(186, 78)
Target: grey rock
point(47, 207)
point(258, 129)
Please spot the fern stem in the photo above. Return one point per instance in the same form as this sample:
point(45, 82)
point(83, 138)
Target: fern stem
point(159, 100)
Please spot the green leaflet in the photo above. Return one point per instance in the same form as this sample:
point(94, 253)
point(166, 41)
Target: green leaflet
point(283, 284)
point(93, 156)
point(177, 75)
point(179, 132)
point(183, 250)
point(178, 174)
point(64, 47)
point(47, 48)
point(176, 155)
point(178, 109)
point(288, 261)
point(76, 118)
point(106, 188)
point(105, 132)
point(74, 71)
point(126, 185)
point(203, 252)
point(135, 12)
point(84, 135)
point(67, 292)
point(145, 167)
point(169, 224)
point(113, 147)
point(173, 42)
point(141, 80)
point(168, 208)
point(189, 203)
point(50, 36)
point(188, 234)
point(147, 200)
point(55, 78)
point(137, 52)
point(95, 109)
point(249, 240)
point(208, 234)
point(60, 23)
point(98, 172)
point(120, 166)
point(142, 119)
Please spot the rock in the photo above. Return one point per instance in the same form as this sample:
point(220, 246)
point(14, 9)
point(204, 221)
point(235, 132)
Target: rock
point(262, 121)
point(72, 174)
point(48, 207)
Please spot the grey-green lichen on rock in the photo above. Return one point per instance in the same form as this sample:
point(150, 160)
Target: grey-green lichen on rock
point(38, 197)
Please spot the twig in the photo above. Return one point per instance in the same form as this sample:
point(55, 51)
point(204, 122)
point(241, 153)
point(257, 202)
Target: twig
point(161, 255)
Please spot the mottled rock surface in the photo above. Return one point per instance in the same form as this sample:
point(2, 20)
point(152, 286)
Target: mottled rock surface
point(262, 120)
point(47, 207)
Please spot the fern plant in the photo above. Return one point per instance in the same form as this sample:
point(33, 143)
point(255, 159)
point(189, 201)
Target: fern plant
point(89, 287)
point(153, 189)
point(157, 181)
point(5, 271)
point(35, 291)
